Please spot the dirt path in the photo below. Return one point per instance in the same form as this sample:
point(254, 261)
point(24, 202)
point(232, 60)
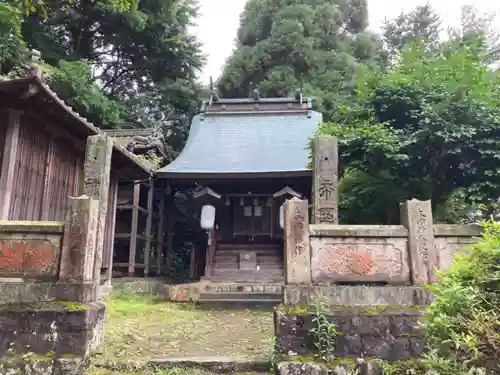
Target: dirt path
point(138, 327)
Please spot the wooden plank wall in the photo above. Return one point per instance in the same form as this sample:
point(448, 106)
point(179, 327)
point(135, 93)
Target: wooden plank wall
point(48, 171)
point(3, 129)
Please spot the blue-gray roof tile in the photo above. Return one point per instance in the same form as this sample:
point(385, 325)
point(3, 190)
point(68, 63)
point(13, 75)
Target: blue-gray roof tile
point(240, 144)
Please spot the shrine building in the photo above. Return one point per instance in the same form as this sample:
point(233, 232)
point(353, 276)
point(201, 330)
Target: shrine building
point(246, 157)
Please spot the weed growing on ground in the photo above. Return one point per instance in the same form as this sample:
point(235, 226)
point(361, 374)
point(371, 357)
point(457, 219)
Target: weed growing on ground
point(323, 332)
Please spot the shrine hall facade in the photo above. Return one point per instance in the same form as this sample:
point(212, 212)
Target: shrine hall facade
point(246, 157)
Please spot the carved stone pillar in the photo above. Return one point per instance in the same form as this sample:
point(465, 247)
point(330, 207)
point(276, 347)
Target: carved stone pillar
point(325, 181)
point(417, 217)
point(297, 247)
point(96, 182)
point(76, 274)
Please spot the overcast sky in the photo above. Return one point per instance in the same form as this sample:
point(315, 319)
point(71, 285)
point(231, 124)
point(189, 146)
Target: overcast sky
point(219, 20)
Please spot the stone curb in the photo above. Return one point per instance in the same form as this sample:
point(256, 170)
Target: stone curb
point(225, 365)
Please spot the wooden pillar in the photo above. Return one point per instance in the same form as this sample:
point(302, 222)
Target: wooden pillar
point(10, 154)
point(417, 217)
point(133, 229)
point(161, 230)
point(325, 181)
point(96, 182)
point(149, 222)
point(112, 229)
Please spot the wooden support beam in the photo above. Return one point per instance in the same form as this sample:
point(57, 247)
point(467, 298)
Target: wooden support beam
point(9, 162)
point(48, 178)
point(149, 222)
point(114, 195)
point(133, 234)
point(159, 237)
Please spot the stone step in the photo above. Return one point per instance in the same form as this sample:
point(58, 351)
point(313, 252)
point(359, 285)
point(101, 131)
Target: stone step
point(235, 265)
point(233, 277)
point(237, 274)
point(273, 288)
point(245, 304)
point(248, 246)
point(253, 296)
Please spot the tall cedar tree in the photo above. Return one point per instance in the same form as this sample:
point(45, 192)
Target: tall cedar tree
point(315, 45)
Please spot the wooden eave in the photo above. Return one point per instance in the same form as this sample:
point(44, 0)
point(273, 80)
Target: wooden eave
point(31, 94)
point(287, 190)
point(206, 191)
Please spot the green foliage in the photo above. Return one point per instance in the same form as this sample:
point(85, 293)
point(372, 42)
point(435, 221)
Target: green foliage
point(284, 45)
point(428, 126)
point(323, 332)
point(463, 322)
point(73, 81)
point(12, 46)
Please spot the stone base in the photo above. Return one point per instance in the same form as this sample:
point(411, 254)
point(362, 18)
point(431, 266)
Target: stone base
point(388, 333)
point(339, 295)
point(299, 368)
point(49, 337)
point(30, 292)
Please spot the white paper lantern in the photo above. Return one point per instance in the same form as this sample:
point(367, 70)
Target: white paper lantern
point(207, 219)
point(282, 216)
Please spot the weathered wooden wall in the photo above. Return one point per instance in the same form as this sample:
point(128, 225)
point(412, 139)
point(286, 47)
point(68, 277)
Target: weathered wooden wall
point(48, 171)
point(3, 128)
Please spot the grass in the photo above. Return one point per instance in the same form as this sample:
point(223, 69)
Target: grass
point(140, 327)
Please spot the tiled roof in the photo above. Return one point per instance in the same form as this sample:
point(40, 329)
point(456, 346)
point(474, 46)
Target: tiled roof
point(52, 103)
point(245, 144)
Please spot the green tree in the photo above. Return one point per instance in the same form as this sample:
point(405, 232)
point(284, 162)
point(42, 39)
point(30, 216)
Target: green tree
point(422, 23)
point(283, 45)
point(116, 66)
point(428, 126)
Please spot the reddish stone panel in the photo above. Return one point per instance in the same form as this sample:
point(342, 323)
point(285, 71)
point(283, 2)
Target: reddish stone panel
point(11, 256)
point(41, 258)
point(30, 255)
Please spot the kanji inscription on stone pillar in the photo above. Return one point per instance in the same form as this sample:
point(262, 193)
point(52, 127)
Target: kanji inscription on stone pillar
point(417, 217)
point(96, 181)
point(325, 180)
point(79, 241)
point(297, 247)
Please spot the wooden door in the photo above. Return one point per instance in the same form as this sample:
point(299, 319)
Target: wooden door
point(252, 218)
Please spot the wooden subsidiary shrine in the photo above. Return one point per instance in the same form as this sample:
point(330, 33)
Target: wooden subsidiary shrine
point(246, 157)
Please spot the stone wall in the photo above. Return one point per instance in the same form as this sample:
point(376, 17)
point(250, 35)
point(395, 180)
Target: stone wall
point(409, 254)
point(50, 315)
point(361, 253)
point(386, 333)
point(30, 250)
point(452, 239)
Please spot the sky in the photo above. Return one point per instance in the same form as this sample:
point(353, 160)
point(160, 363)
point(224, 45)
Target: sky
point(219, 19)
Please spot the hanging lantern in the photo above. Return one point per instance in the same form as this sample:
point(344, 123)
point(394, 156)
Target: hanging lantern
point(242, 201)
point(269, 202)
point(256, 202)
point(227, 202)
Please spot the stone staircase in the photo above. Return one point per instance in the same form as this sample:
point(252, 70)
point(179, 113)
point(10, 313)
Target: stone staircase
point(248, 263)
point(240, 295)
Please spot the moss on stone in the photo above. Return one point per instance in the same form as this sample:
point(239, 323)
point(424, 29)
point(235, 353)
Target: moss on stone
point(56, 306)
point(358, 310)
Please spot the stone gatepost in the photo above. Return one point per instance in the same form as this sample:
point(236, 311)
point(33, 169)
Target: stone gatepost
point(297, 246)
point(96, 182)
point(325, 180)
point(76, 274)
point(417, 217)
